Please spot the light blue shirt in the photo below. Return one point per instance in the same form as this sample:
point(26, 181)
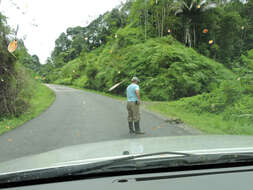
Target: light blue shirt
point(131, 92)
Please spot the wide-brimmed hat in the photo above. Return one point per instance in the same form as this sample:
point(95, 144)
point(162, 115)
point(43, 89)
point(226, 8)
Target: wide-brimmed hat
point(135, 79)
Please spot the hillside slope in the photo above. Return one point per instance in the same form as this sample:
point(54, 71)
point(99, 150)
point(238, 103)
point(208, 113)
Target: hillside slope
point(225, 110)
point(168, 70)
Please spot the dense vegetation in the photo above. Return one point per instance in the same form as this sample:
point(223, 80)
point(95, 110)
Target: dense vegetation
point(137, 38)
point(161, 67)
point(187, 48)
point(17, 86)
point(225, 110)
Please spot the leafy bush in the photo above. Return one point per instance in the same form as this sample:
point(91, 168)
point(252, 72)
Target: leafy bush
point(81, 82)
point(71, 69)
point(64, 81)
point(129, 36)
point(229, 100)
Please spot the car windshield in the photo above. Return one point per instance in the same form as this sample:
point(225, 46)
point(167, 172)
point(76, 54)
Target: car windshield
point(86, 80)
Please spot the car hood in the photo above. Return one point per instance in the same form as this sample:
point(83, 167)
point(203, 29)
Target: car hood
point(86, 153)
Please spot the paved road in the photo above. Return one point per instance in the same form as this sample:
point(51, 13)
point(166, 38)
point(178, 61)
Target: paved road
point(78, 117)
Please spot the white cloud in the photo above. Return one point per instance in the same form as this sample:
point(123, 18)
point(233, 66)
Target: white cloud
point(42, 21)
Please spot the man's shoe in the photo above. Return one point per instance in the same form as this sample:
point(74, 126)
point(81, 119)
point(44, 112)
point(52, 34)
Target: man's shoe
point(137, 128)
point(131, 128)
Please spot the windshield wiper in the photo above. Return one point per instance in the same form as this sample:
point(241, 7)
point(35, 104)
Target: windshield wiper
point(72, 170)
point(128, 163)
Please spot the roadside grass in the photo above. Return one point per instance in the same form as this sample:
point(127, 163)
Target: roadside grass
point(42, 98)
point(206, 122)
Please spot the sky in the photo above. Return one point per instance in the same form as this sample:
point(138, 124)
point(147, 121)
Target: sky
point(42, 21)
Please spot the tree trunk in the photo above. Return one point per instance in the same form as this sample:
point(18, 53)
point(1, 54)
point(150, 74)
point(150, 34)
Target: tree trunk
point(145, 19)
point(163, 18)
point(161, 26)
point(194, 36)
point(188, 37)
point(158, 24)
point(187, 33)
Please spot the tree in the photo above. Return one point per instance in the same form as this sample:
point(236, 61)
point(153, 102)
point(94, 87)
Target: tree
point(229, 37)
point(247, 14)
point(62, 44)
point(191, 10)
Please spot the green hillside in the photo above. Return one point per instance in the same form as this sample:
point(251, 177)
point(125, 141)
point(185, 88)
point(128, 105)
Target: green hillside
point(168, 70)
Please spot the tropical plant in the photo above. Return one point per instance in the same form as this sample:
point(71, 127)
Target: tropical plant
point(191, 11)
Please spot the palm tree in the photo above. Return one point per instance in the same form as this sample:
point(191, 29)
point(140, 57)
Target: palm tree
point(190, 10)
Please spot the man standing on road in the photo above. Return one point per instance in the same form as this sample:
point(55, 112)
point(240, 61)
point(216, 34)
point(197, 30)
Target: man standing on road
point(133, 106)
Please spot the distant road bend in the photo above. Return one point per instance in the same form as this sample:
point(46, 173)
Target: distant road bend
point(78, 117)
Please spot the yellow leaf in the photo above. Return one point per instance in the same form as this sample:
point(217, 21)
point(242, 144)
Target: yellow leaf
point(13, 46)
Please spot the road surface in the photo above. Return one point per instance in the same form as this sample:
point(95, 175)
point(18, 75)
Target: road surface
point(78, 117)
